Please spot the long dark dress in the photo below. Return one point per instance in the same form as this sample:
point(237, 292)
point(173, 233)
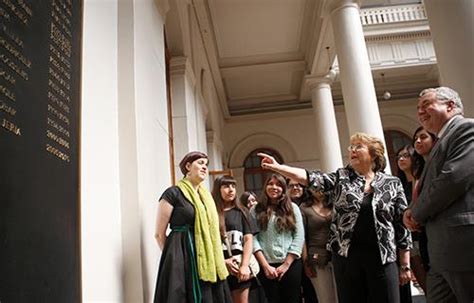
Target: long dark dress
point(175, 283)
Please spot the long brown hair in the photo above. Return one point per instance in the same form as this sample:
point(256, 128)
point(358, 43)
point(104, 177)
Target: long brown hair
point(285, 217)
point(216, 194)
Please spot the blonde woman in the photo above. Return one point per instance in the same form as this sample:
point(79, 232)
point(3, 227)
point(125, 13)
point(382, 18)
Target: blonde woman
point(366, 230)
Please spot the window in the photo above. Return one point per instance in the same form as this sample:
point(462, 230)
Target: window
point(254, 174)
point(395, 140)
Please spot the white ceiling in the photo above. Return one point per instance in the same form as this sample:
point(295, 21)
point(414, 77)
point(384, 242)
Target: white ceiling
point(261, 51)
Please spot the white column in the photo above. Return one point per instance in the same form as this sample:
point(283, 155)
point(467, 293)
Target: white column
point(360, 100)
point(183, 110)
point(326, 126)
point(214, 150)
point(452, 28)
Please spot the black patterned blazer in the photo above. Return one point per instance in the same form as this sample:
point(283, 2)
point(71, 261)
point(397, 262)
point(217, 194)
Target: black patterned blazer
point(346, 189)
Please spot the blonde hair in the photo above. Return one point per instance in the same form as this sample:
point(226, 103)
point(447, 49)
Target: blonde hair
point(376, 149)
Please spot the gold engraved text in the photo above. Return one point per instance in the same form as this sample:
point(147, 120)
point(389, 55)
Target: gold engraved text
point(9, 78)
point(54, 151)
point(6, 108)
point(16, 11)
point(7, 93)
point(57, 139)
point(11, 127)
point(58, 114)
point(13, 66)
point(58, 127)
point(16, 53)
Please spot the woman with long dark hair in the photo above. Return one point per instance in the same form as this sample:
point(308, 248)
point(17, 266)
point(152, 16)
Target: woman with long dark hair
point(237, 236)
point(366, 231)
point(279, 243)
point(248, 199)
point(423, 141)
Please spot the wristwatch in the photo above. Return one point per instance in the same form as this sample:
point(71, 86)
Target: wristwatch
point(405, 268)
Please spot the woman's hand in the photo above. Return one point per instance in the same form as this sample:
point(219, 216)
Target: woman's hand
point(268, 162)
point(270, 272)
point(232, 266)
point(244, 273)
point(404, 276)
point(282, 269)
point(309, 271)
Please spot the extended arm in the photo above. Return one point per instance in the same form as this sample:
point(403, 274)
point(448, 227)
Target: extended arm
point(298, 174)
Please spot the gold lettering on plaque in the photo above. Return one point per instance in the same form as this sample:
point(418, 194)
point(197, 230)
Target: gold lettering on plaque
point(59, 79)
point(54, 151)
point(6, 108)
point(7, 76)
point(11, 35)
point(58, 127)
point(59, 90)
point(57, 139)
point(63, 6)
point(60, 22)
point(59, 68)
point(14, 9)
point(60, 40)
point(52, 97)
point(11, 127)
point(4, 14)
point(16, 53)
point(25, 7)
point(58, 114)
point(7, 93)
point(13, 66)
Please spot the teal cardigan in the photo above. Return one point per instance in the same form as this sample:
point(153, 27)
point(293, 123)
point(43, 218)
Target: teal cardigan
point(277, 245)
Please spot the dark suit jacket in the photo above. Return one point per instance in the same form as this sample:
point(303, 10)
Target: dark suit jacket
point(446, 201)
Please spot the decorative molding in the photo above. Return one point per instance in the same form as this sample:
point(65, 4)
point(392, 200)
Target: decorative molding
point(180, 66)
point(393, 14)
point(261, 140)
point(399, 36)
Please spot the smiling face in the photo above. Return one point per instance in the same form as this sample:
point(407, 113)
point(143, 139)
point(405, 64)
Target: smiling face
point(404, 160)
point(360, 156)
point(433, 114)
point(228, 192)
point(197, 170)
point(423, 142)
point(273, 190)
point(251, 201)
point(295, 190)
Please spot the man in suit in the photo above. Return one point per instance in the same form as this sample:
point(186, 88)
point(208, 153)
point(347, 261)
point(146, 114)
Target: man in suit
point(445, 203)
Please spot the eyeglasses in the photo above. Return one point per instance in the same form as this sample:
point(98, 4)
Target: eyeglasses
point(356, 147)
point(297, 185)
point(404, 155)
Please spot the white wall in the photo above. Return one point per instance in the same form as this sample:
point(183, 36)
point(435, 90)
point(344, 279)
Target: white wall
point(152, 132)
point(295, 128)
point(100, 187)
point(125, 154)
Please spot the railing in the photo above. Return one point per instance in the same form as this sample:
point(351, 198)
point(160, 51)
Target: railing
point(392, 14)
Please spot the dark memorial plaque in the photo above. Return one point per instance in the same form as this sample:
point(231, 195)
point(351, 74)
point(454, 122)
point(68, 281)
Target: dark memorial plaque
point(40, 91)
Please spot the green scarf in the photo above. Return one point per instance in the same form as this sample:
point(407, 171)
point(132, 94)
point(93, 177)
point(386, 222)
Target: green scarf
point(210, 256)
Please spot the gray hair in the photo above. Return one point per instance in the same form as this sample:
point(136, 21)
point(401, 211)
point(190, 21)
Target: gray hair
point(445, 94)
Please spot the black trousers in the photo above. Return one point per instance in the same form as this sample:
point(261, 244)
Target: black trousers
point(361, 277)
point(288, 289)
